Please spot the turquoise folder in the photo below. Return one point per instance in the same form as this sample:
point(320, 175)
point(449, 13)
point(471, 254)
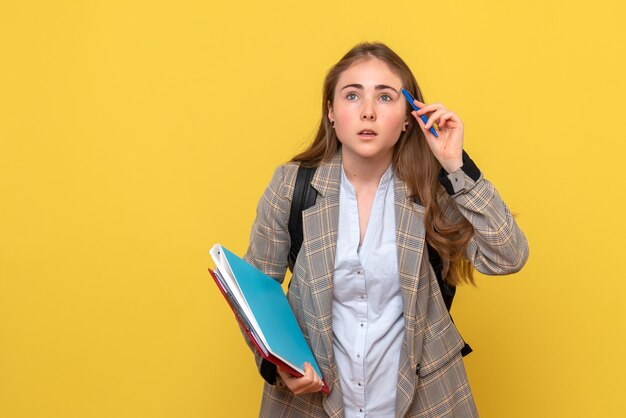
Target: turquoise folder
point(269, 306)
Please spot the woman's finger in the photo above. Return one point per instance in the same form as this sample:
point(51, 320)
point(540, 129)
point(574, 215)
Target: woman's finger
point(430, 108)
point(309, 382)
point(305, 382)
point(418, 103)
point(445, 117)
point(420, 122)
point(434, 117)
point(316, 381)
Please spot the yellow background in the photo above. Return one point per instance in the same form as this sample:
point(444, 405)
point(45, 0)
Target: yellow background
point(135, 135)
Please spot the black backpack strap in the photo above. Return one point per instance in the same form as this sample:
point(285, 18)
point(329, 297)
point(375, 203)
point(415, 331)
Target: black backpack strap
point(304, 196)
point(447, 290)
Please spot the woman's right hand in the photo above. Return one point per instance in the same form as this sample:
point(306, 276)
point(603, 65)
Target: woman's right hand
point(308, 383)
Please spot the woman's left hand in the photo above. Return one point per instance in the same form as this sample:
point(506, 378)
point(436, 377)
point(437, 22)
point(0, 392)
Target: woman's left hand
point(448, 148)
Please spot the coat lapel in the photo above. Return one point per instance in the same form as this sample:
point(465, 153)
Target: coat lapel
point(410, 236)
point(320, 224)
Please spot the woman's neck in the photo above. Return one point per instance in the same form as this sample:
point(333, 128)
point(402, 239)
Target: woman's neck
point(365, 172)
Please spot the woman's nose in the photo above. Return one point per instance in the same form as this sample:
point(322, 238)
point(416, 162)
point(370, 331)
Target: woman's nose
point(368, 113)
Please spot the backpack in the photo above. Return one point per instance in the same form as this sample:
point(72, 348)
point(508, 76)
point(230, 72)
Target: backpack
point(304, 197)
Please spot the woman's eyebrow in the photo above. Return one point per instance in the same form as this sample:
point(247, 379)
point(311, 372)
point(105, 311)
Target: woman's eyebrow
point(377, 87)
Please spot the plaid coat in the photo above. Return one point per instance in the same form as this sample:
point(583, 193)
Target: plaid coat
point(431, 378)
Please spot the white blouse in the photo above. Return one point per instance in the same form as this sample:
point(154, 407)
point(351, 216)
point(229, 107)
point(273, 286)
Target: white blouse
point(368, 321)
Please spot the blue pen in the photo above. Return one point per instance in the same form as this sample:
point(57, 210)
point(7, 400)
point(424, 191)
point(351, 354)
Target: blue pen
point(423, 117)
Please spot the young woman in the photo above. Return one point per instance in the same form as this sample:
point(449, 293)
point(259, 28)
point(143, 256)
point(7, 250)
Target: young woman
point(363, 290)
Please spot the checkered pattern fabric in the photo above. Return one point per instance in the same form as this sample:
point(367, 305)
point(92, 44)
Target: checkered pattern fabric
point(431, 376)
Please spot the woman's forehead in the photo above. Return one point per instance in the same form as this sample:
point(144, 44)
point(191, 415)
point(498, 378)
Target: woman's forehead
point(369, 72)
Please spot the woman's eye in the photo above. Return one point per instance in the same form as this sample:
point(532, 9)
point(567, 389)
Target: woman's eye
point(385, 98)
point(351, 96)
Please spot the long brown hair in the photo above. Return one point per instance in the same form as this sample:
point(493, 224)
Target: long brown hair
point(413, 161)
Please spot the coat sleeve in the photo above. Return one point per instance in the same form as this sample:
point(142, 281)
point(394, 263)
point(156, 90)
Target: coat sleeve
point(269, 238)
point(269, 247)
point(498, 246)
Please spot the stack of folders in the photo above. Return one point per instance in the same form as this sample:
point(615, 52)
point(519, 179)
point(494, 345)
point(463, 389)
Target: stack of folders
point(262, 309)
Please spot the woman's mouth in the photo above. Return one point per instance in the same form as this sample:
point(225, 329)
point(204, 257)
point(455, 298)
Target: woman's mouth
point(367, 133)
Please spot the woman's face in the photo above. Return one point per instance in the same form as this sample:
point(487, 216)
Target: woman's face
point(369, 110)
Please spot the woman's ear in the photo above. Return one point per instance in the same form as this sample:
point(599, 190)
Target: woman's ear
point(406, 125)
point(331, 114)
